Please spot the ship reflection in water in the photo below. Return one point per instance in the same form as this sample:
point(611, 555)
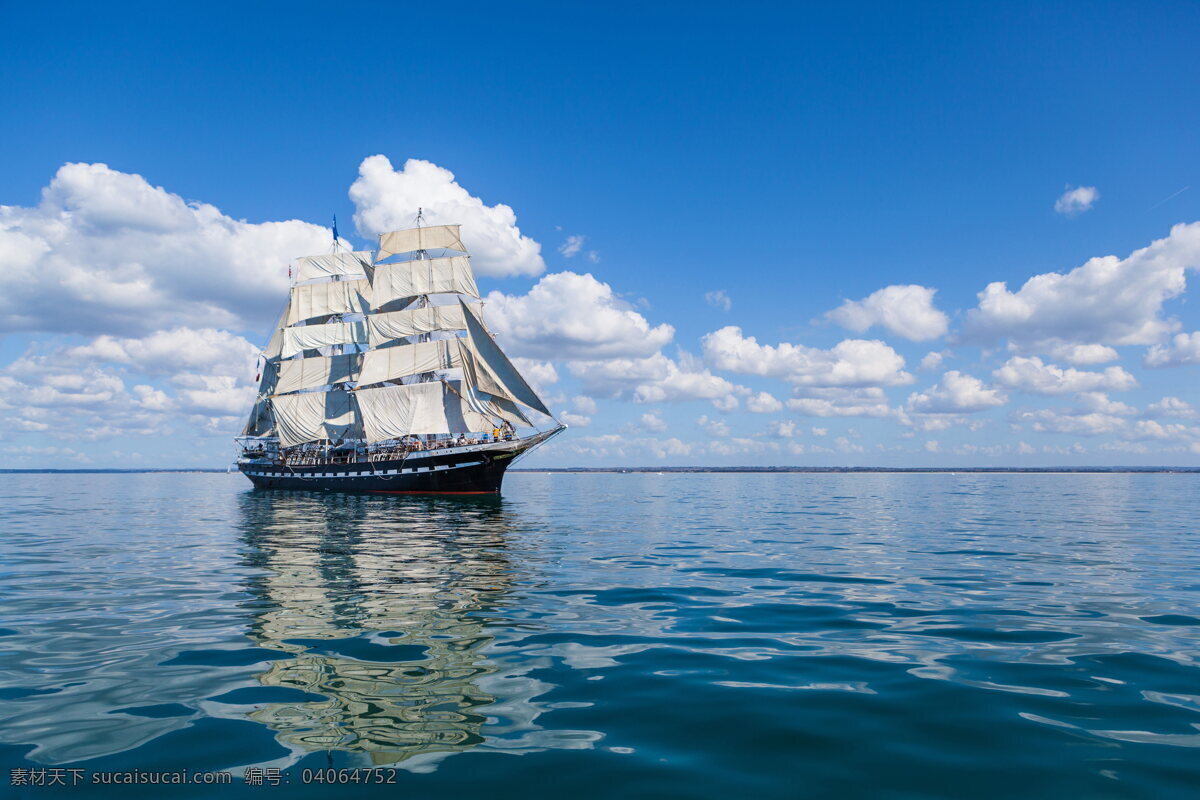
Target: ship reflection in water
point(389, 608)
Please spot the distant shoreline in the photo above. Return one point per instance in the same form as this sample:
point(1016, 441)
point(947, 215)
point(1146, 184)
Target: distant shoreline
point(742, 470)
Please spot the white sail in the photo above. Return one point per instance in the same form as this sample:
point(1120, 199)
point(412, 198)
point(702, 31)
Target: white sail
point(298, 374)
point(423, 276)
point(331, 297)
point(310, 416)
point(431, 238)
point(390, 363)
point(490, 370)
point(310, 337)
point(393, 412)
point(261, 422)
point(499, 408)
point(275, 345)
point(339, 263)
point(383, 328)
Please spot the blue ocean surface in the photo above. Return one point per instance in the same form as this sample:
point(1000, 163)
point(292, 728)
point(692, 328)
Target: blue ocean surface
point(607, 636)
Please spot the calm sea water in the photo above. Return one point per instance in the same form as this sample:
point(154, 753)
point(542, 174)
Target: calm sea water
point(605, 636)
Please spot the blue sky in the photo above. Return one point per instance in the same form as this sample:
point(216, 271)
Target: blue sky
point(793, 156)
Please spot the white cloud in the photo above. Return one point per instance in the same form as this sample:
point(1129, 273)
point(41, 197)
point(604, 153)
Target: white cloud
point(1054, 421)
point(841, 402)
point(571, 316)
point(1081, 355)
point(24, 452)
point(1172, 432)
point(655, 379)
point(1106, 301)
point(740, 446)
point(906, 311)
point(1076, 200)
point(844, 445)
point(540, 374)
point(1032, 375)
point(1184, 348)
point(783, 429)
point(653, 422)
point(956, 393)
point(571, 247)
point(576, 420)
point(126, 257)
point(718, 299)
point(207, 384)
point(932, 361)
point(213, 395)
point(173, 351)
point(714, 427)
point(50, 394)
point(727, 402)
point(1099, 416)
point(763, 403)
point(1100, 402)
point(1171, 407)
point(932, 446)
point(852, 362)
point(387, 199)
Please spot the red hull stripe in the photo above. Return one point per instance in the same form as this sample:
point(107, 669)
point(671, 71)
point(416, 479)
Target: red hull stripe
point(418, 491)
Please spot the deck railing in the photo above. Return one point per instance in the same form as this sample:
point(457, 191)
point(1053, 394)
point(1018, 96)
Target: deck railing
point(314, 457)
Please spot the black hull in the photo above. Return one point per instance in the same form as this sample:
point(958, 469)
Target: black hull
point(472, 470)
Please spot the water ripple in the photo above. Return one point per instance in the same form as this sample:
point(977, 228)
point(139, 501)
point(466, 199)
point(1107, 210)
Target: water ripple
point(676, 635)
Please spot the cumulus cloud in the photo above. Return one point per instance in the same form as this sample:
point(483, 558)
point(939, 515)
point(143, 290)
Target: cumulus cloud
point(540, 374)
point(1171, 432)
point(906, 311)
point(43, 394)
point(656, 379)
point(614, 445)
point(841, 402)
point(852, 362)
point(126, 257)
point(763, 403)
point(932, 361)
point(1184, 348)
point(1101, 403)
point(1077, 424)
point(653, 422)
point(718, 299)
point(1081, 355)
point(1171, 407)
point(174, 351)
point(783, 429)
point(714, 427)
point(387, 199)
point(1108, 300)
point(1034, 376)
point(956, 393)
point(206, 383)
point(1076, 200)
point(571, 316)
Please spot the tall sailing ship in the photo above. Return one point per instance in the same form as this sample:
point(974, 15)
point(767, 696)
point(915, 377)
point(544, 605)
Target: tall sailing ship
point(381, 376)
